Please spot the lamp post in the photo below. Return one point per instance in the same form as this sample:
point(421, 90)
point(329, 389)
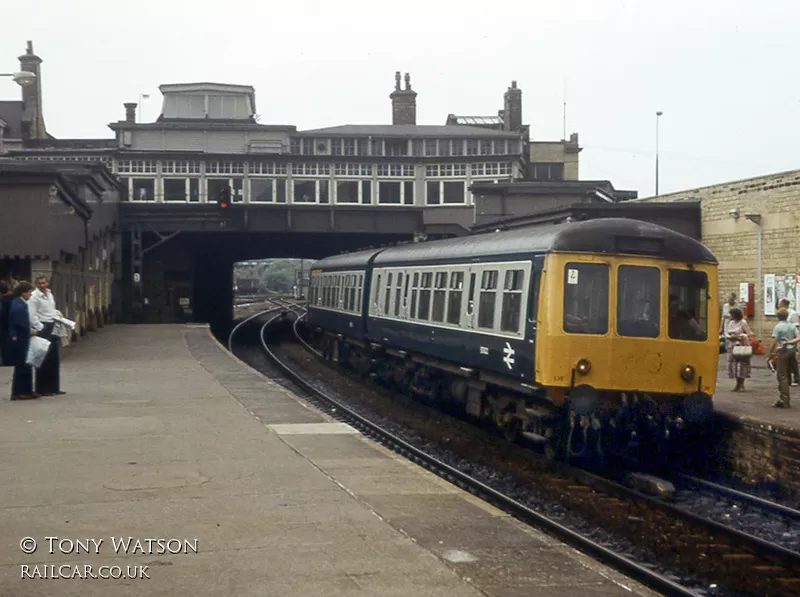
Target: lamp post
point(658, 117)
point(756, 219)
point(142, 96)
point(22, 78)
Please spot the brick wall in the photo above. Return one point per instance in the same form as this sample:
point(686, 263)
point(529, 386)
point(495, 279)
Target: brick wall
point(776, 198)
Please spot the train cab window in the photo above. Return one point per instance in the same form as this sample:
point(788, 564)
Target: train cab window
point(388, 294)
point(487, 299)
point(512, 300)
point(397, 294)
point(586, 298)
point(638, 301)
point(455, 297)
point(688, 305)
point(425, 296)
point(439, 295)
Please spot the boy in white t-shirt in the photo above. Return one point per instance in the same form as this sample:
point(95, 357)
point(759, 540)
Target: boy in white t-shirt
point(792, 318)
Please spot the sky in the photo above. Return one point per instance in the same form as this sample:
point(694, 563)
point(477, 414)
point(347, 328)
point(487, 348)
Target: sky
point(723, 72)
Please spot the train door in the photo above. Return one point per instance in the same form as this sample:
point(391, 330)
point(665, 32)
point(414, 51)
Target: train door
point(533, 302)
point(470, 312)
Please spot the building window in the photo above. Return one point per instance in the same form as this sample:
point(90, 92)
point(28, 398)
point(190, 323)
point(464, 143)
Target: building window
point(457, 146)
point(307, 147)
point(396, 147)
point(366, 192)
point(349, 147)
point(453, 192)
point(194, 190)
point(336, 147)
point(216, 186)
point(416, 147)
point(280, 191)
point(347, 191)
point(552, 171)
point(472, 147)
point(390, 192)
point(362, 147)
point(262, 190)
point(324, 196)
point(430, 147)
point(144, 189)
point(174, 189)
point(408, 192)
point(433, 192)
point(305, 191)
point(500, 147)
point(486, 148)
point(294, 146)
point(377, 147)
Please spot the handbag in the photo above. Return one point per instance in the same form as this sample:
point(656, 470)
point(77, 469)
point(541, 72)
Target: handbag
point(742, 353)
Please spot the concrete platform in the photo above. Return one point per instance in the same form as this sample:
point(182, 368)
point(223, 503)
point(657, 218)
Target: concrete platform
point(754, 405)
point(164, 435)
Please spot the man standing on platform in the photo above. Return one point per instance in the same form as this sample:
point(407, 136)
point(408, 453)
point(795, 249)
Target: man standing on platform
point(43, 313)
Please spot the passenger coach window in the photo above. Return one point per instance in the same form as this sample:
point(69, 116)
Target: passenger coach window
point(388, 294)
point(413, 313)
point(487, 299)
point(454, 299)
point(638, 301)
point(439, 295)
point(512, 300)
point(425, 296)
point(397, 295)
point(586, 298)
point(688, 305)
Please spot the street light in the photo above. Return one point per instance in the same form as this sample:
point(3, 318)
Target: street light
point(658, 117)
point(22, 78)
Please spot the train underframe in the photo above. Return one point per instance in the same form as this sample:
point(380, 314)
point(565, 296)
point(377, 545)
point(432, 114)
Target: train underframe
point(571, 424)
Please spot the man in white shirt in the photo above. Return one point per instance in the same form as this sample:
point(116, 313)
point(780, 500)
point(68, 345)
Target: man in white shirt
point(43, 314)
point(794, 373)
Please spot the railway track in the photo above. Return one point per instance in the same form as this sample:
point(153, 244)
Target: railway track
point(730, 561)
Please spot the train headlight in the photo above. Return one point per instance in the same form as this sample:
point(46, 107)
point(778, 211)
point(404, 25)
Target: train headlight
point(687, 373)
point(584, 366)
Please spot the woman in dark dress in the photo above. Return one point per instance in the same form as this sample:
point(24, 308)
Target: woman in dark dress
point(17, 342)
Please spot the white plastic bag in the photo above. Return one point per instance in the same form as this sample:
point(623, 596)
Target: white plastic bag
point(37, 351)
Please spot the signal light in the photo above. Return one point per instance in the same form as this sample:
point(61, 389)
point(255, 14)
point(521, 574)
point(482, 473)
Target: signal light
point(224, 197)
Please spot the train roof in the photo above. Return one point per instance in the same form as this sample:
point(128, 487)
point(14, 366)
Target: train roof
point(346, 261)
point(602, 235)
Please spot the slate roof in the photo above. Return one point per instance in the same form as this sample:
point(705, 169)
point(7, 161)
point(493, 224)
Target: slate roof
point(409, 130)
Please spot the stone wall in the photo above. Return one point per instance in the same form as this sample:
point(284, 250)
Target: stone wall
point(734, 241)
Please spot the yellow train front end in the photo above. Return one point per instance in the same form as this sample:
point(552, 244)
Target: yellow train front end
point(624, 342)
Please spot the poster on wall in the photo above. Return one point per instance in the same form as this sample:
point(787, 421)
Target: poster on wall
point(791, 288)
point(769, 294)
point(780, 288)
point(743, 292)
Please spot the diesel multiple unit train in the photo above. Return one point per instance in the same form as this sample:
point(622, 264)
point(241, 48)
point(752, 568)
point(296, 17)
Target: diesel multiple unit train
point(593, 336)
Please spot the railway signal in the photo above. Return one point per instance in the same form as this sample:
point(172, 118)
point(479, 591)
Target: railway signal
point(224, 198)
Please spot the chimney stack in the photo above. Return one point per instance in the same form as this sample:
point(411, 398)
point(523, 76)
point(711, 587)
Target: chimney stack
point(404, 102)
point(130, 112)
point(32, 114)
point(512, 112)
